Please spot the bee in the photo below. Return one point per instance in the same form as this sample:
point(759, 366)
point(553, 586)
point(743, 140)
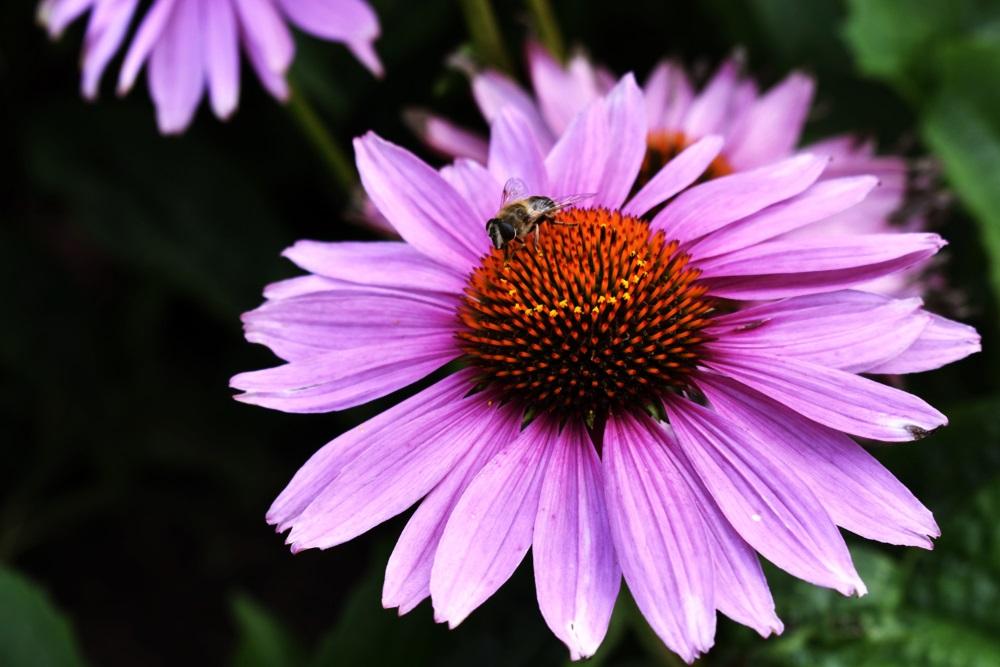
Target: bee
point(521, 215)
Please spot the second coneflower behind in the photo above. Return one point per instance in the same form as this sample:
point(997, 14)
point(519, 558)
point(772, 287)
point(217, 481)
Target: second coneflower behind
point(657, 399)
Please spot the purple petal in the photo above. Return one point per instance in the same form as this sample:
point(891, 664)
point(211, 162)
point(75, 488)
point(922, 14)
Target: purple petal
point(770, 128)
point(857, 491)
point(145, 39)
point(284, 289)
point(515, 152)
point(836, 330)
point(176, 72)
point(352, 22)
point(55, 15)
point(306, 326)
point(708, 113)
point(675, 176)
point(842, 401)
point(659, 536)
point(324, 466)
point(741, 590)
point(561, 93)
point(779, 269)
point(446, 137)
point(408, 573)
point(680, 94)
point(494, 91)
point(479, 187)
point(576, 573)
point(490, 529)
point(222, 56)
point(376, 263)
point(345, 378)
point(577, 162)
point(711, 206)
point(422, 206)
point(771, 508)
point(108, 25)
point(822, 200)
point(941, 342)
point(627, 134)
point(395, 469)
point(265, 31)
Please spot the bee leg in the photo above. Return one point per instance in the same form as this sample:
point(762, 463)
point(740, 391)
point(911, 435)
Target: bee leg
point(534, 240)
point(508, 250)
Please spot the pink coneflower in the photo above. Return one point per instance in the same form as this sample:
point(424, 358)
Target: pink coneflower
point(751, 345)
point(192, 45)
point(757, 128)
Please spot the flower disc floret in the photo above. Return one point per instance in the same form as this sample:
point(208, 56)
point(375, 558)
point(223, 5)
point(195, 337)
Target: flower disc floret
point(605, 315)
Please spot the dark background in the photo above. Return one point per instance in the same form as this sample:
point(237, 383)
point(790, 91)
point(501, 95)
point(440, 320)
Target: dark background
point(133, 489)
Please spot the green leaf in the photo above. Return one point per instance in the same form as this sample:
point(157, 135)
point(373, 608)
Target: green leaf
point(969, 149)
point(32, 631)
point(263, 640)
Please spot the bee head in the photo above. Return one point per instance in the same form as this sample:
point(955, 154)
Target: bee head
point(500, 232)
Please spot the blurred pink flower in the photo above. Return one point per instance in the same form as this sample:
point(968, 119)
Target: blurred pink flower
point(192, 45)
point(545, 439)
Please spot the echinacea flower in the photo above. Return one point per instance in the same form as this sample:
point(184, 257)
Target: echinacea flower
point(751, 344)
point(191, 45)
point(758, 128)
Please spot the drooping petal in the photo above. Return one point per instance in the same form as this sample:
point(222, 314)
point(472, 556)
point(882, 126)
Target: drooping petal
point(561, 93)
point(771, 508)
point(146, 37)
point(515, 151)
point(842, 401)
point(352, 22)
point(627, 133)
point(769, 128)
point(273, 81)
point(306, 326)
point(345, 378)
point(941, 342)
point(391, 474)
point(741, 590)
point(446, 137)
point(835, 330)
point(676, 175)
point(56, 15)
point(422, 206)
point(376, 263)
point(324, 466)
point(105, 31)
point(176, 69)
point(264, 29)
point(822, 200)
point(490, 529)
point(710, 206)
point(576, 571)
point(659, 536)
point(856, 490)
point(408, 573)
point(778, 269)
point(221, 51)
point(577, 162)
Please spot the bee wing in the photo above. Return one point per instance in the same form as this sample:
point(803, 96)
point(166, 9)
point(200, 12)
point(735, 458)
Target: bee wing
point(513, 190)
point(571, 199)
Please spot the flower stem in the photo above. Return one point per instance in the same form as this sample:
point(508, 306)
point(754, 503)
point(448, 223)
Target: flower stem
point(319, 136)
point(548, 28)
point(485, 33)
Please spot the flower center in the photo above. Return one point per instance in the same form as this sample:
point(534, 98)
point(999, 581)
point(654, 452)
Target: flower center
point(662, 147)
point(607, 315)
